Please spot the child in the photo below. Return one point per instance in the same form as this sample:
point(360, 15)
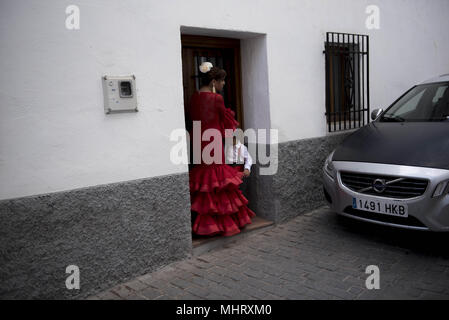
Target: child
point(238, 155)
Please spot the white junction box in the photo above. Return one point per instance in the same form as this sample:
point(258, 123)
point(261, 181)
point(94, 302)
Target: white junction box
point(119, 93)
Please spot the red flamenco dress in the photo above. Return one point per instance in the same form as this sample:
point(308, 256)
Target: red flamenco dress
point(214, 188)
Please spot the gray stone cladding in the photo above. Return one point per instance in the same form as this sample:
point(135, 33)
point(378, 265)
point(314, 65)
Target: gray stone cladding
point(111, 232)
point(297, 186)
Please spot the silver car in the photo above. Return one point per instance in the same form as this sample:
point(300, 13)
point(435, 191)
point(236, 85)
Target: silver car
point(395, 170)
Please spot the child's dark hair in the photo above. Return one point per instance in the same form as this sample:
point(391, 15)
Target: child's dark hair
point(214, 73)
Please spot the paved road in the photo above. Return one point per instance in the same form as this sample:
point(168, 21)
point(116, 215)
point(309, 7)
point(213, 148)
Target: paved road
point(318, 255)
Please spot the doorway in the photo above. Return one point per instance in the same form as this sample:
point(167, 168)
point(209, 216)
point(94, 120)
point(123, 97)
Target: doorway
point(223, 53)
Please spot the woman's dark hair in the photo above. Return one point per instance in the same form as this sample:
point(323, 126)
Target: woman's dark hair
point(214, 73)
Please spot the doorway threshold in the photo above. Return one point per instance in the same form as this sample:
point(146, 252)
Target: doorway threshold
point(205, 244)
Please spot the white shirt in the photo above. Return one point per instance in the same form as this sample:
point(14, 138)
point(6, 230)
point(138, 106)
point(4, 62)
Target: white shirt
point(239, 154)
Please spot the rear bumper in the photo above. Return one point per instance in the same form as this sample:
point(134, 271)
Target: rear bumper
point(425, 213)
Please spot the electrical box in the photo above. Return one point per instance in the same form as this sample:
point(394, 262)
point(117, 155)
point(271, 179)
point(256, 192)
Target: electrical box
point(119, 94)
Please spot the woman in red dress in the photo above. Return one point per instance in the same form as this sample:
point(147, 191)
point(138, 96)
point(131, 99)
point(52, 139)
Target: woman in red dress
point(216, 199)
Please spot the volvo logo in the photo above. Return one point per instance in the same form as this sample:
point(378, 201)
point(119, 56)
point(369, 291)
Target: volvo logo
point(379, 185)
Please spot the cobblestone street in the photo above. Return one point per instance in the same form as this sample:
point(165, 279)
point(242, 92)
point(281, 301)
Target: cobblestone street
point(318, 255)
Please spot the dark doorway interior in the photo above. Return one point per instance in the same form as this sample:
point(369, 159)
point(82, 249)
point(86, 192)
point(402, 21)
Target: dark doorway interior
point(221, 52)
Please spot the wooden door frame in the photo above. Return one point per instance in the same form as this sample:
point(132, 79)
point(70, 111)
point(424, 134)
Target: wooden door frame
point(195, 41)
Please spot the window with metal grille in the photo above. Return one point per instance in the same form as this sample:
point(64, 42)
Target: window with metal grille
point(347, 81)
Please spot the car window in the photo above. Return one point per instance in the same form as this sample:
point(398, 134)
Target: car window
point(439, 94)
point(429, 102)
point(410, 105)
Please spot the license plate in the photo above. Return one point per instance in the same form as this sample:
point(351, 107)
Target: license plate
point(390, 208)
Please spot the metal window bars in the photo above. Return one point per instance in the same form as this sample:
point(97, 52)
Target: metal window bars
point(347, 81)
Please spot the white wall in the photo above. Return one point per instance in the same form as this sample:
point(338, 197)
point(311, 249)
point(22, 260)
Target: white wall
point(255, 86)
point(55, 136)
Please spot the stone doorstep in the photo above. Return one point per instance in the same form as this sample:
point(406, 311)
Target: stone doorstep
point(202, 245)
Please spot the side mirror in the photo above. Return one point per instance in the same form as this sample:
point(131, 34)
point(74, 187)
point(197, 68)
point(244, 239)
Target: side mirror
point(376, 113)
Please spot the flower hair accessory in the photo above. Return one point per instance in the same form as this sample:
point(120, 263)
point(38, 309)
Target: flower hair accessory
point(205, 67)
